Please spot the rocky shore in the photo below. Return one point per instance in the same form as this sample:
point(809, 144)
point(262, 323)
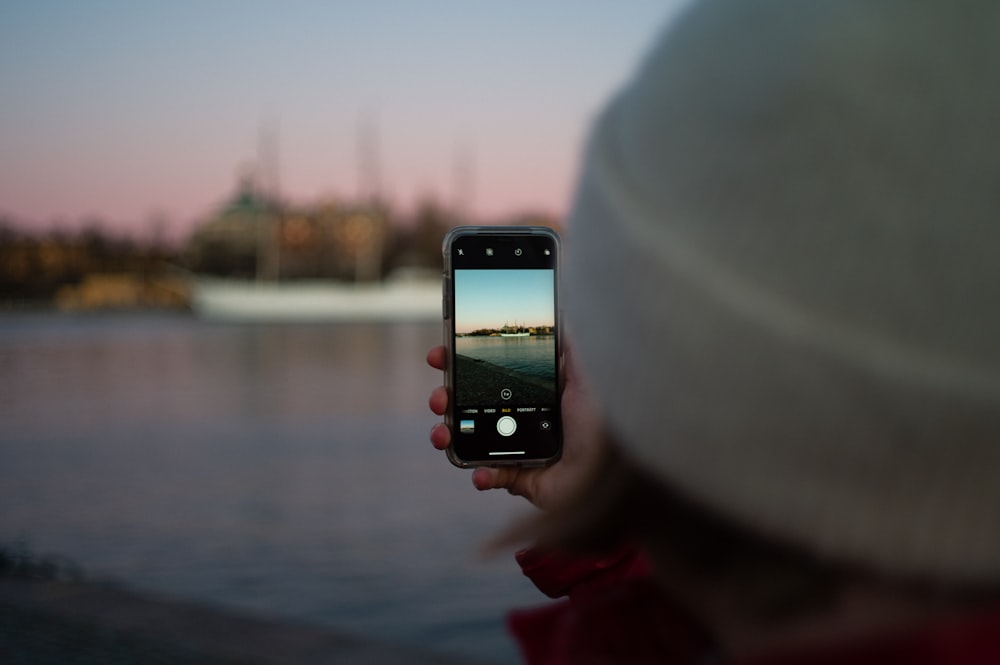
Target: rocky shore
point(480, 382)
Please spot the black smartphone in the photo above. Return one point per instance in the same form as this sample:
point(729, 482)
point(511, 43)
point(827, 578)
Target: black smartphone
point(503, 336)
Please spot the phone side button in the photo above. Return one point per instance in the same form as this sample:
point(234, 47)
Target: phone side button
point(444, 297)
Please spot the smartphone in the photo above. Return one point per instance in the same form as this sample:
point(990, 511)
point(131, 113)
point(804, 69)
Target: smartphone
point(503, 336)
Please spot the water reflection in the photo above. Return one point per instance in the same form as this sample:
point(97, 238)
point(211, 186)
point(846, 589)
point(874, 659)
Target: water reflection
point(283, 469)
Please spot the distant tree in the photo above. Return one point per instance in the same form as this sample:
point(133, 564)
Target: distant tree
point(421, 245)
point(34, 266)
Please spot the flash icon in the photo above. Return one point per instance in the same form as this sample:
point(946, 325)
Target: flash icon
point(489, 251)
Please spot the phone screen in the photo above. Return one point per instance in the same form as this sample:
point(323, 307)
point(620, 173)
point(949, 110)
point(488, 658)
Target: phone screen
point(504, 344)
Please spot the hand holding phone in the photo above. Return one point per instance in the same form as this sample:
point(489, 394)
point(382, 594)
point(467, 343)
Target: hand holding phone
point(545, 487)
point(503, 346)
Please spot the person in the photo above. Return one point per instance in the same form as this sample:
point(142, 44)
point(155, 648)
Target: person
point(782, 419)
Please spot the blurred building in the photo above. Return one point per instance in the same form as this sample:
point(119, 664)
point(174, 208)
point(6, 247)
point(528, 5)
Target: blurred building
point(251, 236)
point(229, 241)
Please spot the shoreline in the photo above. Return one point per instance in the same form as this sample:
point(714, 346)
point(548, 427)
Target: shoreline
point(482, 382)
point(54, 621)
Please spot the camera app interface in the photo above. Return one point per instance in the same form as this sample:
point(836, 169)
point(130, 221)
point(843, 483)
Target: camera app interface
point(505, 355)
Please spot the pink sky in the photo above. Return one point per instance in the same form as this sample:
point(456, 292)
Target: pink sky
point(126, 113)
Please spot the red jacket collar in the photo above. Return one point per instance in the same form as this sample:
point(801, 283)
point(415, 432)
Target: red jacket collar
point(615, 613)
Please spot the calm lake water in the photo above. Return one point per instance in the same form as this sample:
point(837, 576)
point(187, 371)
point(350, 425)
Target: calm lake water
point(284, 470)
point(529, 355)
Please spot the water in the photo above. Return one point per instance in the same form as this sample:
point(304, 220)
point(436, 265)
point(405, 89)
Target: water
point(529, 355)
point(284, 470)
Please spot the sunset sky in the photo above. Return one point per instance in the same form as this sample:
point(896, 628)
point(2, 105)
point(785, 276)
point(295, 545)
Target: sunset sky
point(128, 111)
point(486, 299)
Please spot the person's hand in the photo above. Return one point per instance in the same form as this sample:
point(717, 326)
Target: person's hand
point(541, 486)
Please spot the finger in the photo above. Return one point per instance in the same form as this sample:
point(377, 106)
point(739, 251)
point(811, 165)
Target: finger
point(490, 478)
point(440, 436)
point(568, 365)
point(436, 357)
point(486, 478)
point(438, 401)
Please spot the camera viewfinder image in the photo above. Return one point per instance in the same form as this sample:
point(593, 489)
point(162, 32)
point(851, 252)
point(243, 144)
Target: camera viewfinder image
point(505, 337)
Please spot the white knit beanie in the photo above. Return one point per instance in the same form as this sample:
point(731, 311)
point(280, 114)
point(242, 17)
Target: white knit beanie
point(784, 273)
